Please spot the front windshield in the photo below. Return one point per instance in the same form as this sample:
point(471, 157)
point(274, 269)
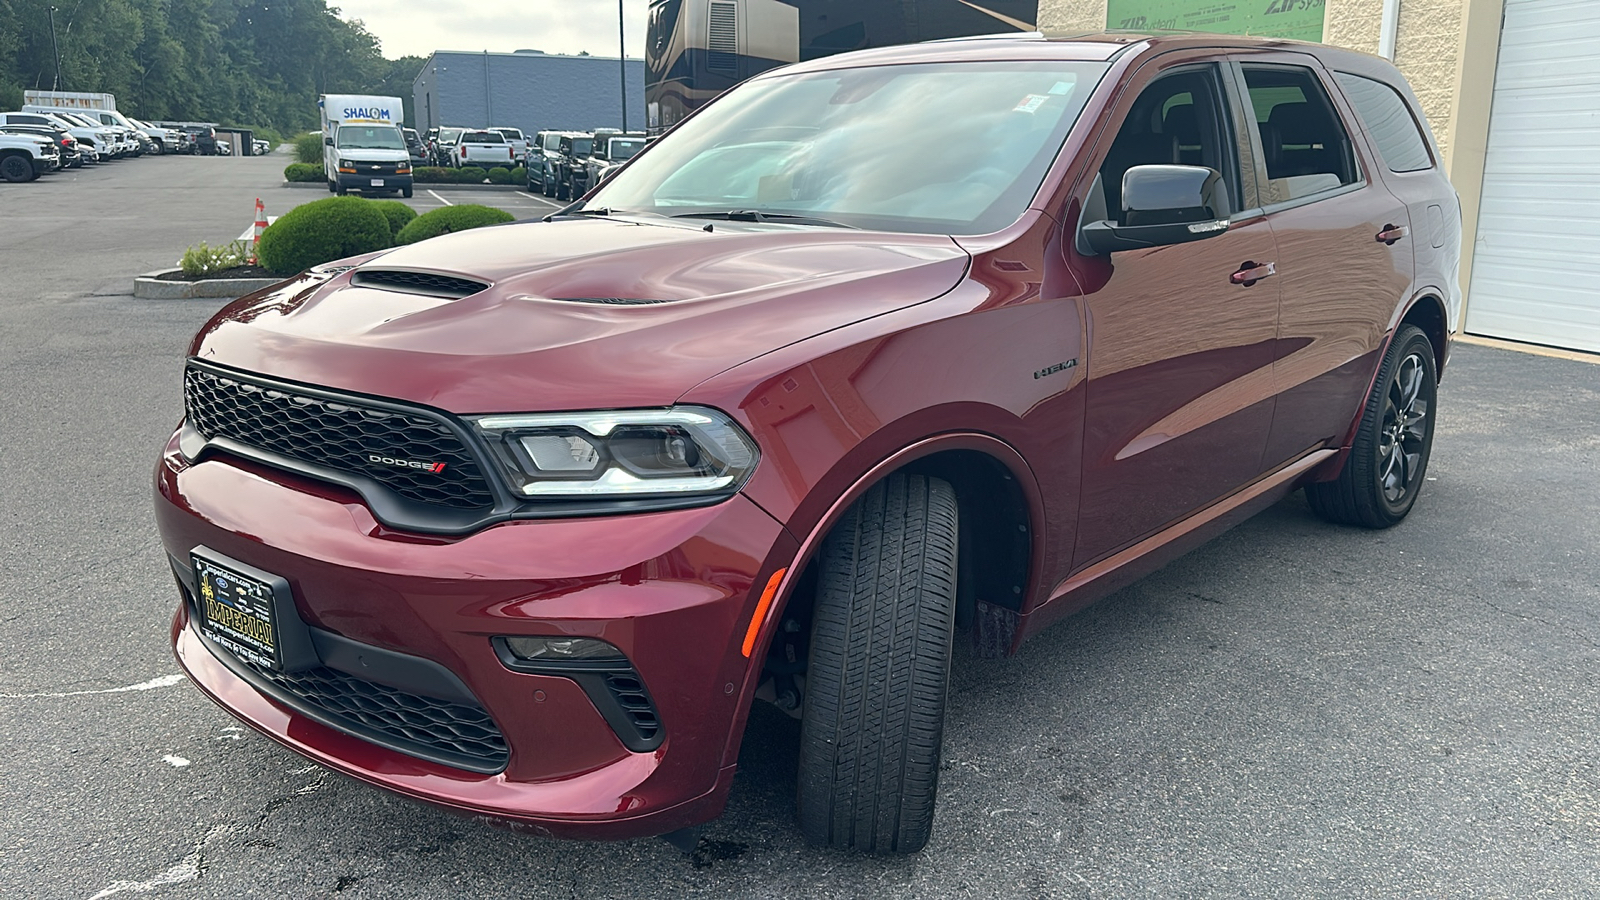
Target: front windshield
point(582, 146)
point(552, 142)
point(953, 148)
point(370, 137)
point(625, 148)
point(447, 135)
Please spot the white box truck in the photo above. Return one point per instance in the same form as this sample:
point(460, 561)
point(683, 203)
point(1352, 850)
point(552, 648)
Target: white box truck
point(363, 148)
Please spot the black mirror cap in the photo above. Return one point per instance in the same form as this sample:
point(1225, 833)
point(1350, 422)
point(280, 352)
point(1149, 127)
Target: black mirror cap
point(328, 140)
point(1169, 195)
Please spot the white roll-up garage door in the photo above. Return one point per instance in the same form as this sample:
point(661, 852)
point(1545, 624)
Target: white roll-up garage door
point(1536, 264)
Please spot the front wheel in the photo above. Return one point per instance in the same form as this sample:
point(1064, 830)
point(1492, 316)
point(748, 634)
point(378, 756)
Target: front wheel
point(879, 667)
point(406, 192)
point(1388, 459)
point(16, 169)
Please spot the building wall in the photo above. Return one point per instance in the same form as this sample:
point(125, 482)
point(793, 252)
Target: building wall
point(1426, 44)
point(533, 92)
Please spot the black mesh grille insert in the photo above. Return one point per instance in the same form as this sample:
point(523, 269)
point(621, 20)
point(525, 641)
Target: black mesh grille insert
point(417, 283)
point(345, 436)
point(635, 702)
point(435, 729)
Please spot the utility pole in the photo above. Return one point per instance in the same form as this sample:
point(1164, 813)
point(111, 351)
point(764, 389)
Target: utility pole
point(56, 85)
point(622, 64)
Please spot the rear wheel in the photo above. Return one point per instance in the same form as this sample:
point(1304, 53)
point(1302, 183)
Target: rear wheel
point(16, 168)
point(1388, 460)
point(879, 668)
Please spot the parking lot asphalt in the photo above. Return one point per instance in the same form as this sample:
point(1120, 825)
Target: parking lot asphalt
point(1295, 710)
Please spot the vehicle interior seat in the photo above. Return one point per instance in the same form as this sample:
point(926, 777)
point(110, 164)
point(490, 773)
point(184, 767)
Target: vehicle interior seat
point(1134, 149)
point(1302, 154)
point(1183, 123)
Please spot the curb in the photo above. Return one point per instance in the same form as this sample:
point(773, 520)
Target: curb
point(148, 287)
point(421, 186)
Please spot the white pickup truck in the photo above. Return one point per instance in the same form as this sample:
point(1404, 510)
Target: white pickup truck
point(24, 157)
point(483, 148)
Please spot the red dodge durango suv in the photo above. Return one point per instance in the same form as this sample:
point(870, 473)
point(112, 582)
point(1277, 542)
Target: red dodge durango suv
point(872, 350)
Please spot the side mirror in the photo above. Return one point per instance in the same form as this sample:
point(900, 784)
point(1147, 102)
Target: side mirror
point(1161, 205)
point(328, 140)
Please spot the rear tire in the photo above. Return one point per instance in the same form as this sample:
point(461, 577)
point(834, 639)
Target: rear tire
point(1388, 461)
point(879, 669)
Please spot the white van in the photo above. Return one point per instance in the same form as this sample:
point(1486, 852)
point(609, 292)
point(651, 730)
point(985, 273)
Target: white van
point(363, 148)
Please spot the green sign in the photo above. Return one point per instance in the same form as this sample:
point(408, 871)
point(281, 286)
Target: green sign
point(1297, 19)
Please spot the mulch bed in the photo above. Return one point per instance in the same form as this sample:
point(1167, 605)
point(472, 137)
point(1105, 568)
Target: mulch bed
point(235, 272)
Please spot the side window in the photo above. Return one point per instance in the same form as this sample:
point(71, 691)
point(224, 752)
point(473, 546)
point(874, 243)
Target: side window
point(1306, 147)
point(1383, 111)
point(1177, 120)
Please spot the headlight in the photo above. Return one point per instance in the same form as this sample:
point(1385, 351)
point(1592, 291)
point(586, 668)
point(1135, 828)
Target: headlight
point(683, 451)
point(348, 168)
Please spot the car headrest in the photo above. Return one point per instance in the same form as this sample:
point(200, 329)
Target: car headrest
point(1300, 123)
point(1183, 123)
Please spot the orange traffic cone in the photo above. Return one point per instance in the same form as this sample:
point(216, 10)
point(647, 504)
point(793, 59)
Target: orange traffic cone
point(261, 225)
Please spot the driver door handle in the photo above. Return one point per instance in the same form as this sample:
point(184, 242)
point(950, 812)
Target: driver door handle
point(1392, 233)
point(1251, 272)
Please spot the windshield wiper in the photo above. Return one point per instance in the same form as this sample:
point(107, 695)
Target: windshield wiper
point(756, 215)
point(571, 210)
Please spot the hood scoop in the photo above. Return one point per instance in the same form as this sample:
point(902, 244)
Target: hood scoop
point(611, 301)
point(427, 284)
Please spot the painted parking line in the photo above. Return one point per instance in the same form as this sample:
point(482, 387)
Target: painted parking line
point(441, 199)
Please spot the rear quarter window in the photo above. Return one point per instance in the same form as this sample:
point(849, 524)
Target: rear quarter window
point(1387, 118)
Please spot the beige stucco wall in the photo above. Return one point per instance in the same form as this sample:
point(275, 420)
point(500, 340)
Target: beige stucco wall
point(1072, 15)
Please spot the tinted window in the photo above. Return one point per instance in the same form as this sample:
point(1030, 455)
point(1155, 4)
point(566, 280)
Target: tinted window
point(1307, 149)
point(1177, 120)
point(483, 137)
point(1390, 123)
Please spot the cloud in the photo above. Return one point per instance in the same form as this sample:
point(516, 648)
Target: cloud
point(408, 28)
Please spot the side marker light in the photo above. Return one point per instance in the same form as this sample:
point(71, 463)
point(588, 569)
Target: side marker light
point(760, 614)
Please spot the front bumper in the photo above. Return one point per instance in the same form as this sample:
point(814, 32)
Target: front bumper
point(364, 182)
point(673, 590)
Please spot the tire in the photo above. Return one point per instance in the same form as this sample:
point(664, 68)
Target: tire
point(16, 168)
point(1388, 461)
point(879, 668)
point(544, 187)
point(406, 193)
point(340, 190)
point(333, 188)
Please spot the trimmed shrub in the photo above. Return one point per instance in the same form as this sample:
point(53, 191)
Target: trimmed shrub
point(323, 231)
point(308, 149)
point(430, 174)
point(450, 219)
point(499, 175)
point(398, 214)
point(468, 175)
point(203, 259)
point(303, 172)
point(519, 175)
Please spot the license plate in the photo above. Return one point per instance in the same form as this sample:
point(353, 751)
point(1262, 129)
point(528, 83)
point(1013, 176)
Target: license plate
point(237, 611)
point(377, 182)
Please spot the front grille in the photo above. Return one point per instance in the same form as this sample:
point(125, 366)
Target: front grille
point(343, 435)
point(417, 283)
point(453, 733)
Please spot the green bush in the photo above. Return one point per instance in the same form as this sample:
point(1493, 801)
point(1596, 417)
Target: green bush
point(468, 175)
point(430, 174)
point(450, 219)
point(398, 214)
point(308, 149)
point(303, 172)
point(519, 175)
point(202, 259)
point(323, 231)
point(499, 175)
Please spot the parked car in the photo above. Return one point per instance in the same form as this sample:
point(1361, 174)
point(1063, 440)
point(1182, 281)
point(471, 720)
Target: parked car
point(571, 151)
point(542, 160)
point(609, 153)
point(414, 146)
point(792, 400)
point(46, 126)
point(259, 147)
point(24, 157)
point(519, 143)
point(204, 139)
point(444, 145)
point(125, 143)
point(482, 148)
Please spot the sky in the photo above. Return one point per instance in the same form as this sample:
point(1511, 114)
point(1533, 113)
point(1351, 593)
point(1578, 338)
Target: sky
point(410, 28)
